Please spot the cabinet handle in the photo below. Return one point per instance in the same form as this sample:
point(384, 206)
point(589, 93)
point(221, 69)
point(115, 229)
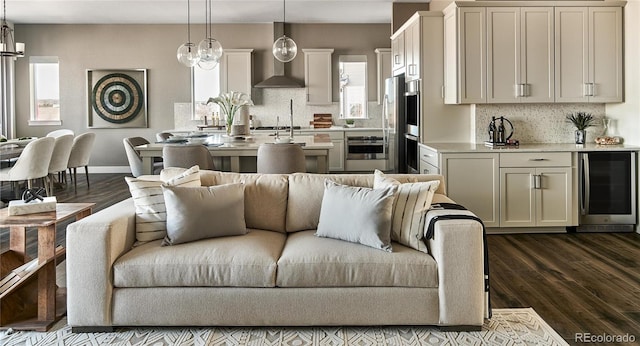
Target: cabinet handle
point(589, 89)
point(425, 171)
point(519, 90)
point(537, 181)
point(592, 89)
point(525, 90)
point(396, 59)
point(442, 92)
point(427, 155)
point(538, 159)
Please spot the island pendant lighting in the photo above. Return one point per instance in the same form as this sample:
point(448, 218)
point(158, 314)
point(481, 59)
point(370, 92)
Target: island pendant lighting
point(284, 48)
point(8, 46)
point(209, 48)
point(188, 54)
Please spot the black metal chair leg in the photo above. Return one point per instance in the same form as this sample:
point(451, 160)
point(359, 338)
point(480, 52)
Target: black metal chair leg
point(86, 173)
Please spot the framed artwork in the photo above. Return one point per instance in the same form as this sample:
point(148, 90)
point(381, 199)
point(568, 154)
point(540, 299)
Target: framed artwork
point(117, 98)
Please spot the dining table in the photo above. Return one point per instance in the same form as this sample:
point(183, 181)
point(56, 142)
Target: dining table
point(232, 149)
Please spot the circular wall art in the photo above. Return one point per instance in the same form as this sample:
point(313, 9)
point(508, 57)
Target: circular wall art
point(117, 98)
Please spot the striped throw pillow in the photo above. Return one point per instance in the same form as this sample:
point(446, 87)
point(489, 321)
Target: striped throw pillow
point(151, 214)
point(409, 209)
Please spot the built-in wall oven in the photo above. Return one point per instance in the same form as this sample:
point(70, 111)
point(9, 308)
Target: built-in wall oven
point(412, 107)
point(366, 151)
point(607, 191)
point(411, 154)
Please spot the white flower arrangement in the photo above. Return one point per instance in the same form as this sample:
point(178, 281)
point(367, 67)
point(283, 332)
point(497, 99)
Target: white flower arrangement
point(230, 103)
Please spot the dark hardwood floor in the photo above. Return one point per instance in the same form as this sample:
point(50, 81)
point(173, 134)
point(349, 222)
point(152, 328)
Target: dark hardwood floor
point(578, 283)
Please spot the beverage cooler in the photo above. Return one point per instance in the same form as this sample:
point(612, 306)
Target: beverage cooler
point(607, 191)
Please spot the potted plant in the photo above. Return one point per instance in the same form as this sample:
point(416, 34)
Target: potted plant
point(581, 120)
point(350, 122)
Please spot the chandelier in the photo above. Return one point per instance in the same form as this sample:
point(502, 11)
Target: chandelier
point(8, 46)
point(209, 48)
point(188, 53)
point(284, 48)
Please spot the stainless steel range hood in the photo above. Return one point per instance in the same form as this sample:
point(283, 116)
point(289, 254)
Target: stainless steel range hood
point(278, 80)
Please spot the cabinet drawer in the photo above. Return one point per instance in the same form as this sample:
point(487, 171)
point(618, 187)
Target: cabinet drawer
point(427, 168)
point(533, 159)
point(429, 156)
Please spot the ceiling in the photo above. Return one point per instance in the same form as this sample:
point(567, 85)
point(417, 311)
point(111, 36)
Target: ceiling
point(175, 11)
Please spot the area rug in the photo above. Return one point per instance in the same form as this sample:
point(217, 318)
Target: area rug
point(506, 327)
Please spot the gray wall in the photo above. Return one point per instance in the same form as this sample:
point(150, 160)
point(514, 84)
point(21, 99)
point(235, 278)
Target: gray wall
point(82, 47)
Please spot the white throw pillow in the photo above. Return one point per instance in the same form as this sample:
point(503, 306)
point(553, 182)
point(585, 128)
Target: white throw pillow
point(195, 213)
point(151, 216)
point(357, 214)
point(412, 202)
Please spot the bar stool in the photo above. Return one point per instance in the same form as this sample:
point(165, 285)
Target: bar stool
point(281, 158)
point(187, 155)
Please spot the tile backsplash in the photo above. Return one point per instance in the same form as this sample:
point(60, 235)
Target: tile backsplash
point(539, 123)
point(271, 103)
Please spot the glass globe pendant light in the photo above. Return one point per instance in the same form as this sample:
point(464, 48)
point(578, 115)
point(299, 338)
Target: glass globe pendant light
point(188, 53)
point(209, 48)
point(284, 48)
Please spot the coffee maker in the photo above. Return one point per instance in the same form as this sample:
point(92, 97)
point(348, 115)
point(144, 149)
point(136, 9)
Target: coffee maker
point(499, 134)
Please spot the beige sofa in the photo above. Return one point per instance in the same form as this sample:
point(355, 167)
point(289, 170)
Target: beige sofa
point(279, 274)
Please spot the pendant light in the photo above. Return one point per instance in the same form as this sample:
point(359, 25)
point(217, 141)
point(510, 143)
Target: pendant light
point(8, 46)
point(209, 48)
point(188, 54)
point(284, 48)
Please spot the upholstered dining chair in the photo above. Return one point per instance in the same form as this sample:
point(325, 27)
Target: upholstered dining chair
point(134, 158)
point(281, 158)
point(163, 136)
point(80, 155)
point(33, 163)
point(187, 155)
point(59, 160)
point(61, 132)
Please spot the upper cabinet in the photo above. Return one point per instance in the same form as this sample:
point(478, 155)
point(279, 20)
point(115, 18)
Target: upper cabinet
point(588, 54)
point(412, 50)
point(465, 55)
point(236, 70)
point(317, 76)
point(383, 70)
point(512, 52)
point(397, 52)
point(520, 65)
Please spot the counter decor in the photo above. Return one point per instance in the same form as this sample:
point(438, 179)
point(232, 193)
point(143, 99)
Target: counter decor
point(581, 121)
point(229, 104)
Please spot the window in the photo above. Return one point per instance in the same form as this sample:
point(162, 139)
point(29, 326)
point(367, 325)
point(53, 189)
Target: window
point(353, 86)
point(206, 83)
point(45, 90)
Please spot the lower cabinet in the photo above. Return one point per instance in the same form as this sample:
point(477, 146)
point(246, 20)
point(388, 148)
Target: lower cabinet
point(471, 180)
point(509, 190)
point(336, 154)
point(535, 197)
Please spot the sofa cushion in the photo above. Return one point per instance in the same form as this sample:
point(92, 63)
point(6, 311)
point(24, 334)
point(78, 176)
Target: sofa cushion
point(151, 216)
point(357, 214)
point(310, 261)
point(195, 213)
point(411, 204)
point(306, 191)
point(237, 261)
point(265, 196)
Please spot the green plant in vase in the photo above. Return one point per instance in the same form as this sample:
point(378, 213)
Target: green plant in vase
point(230, 103)
point(581, 120)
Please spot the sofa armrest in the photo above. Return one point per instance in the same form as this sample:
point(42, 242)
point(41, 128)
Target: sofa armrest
point(93, 245)
point(457, 246)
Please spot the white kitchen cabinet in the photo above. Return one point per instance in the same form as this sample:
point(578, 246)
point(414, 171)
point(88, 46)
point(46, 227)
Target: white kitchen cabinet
point(317, 76)
point(336, 154)
point(536, 189)
point(383, 70)
point(397, 52)
point(472, 180)
point(412, 50)
point(236, 70)
point(465, 69)
point(520, 54)
point(589, 52)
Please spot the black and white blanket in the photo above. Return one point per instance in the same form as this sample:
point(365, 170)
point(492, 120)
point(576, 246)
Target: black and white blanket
point(452, 211)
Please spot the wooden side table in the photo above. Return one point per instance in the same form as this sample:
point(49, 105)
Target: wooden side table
point(28, 287)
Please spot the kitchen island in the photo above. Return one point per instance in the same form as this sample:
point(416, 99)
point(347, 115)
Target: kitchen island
point(230, 151)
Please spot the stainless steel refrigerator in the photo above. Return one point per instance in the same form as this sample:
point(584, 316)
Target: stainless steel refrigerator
point(393, 123)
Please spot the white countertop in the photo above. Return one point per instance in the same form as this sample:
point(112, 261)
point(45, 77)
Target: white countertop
point(302, 129)
point(525, 147)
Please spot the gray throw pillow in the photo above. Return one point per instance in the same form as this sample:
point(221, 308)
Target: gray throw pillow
point(357, 214)
point(195, 213)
